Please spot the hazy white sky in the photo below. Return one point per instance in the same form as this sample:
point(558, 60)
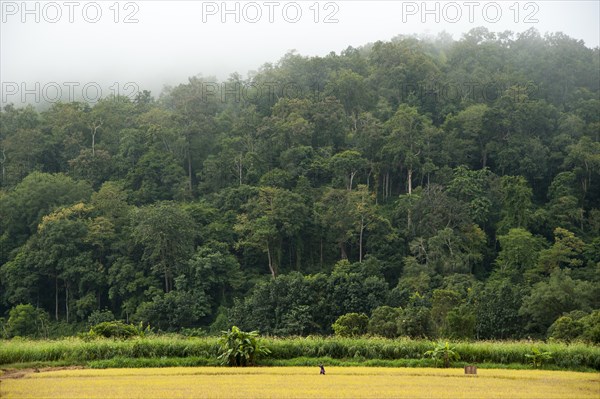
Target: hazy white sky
point(70, 44)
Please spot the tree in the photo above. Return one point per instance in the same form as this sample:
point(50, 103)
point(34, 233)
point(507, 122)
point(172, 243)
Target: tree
point(406, 139)
point(170, 311)
point(217, 271)
point(94, 167)
point(566, 252)
point(351, 325)
point(348, 164)
point(468, 139)
point(591, 327)
point(59, 258)
point(415, 318)
point(281, 306)
point(364, 211)
point(516, 203)
point(584, 158)
point(455, 252)
point(565, 328)
point(519, 253)
point(442, 302)
point(461, 322)
point(550, 299)
point(497, 310)
point(384, 321)
point(273, 216)
point(166, 236)
point(334, 217)
point(563, 206)
point(21, 210)
point(27, 321)
point(351, 89)
point(475, 188)
point(156, 177)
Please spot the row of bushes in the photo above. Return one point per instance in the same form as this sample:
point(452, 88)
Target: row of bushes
point(80, 351)
point(389, 322)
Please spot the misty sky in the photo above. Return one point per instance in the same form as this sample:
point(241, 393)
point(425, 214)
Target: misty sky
point(166, 42)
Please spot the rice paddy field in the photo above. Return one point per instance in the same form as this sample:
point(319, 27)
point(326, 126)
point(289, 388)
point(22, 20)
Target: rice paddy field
point(301, 382)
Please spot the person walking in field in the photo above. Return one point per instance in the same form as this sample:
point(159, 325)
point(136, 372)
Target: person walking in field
point(322, 369)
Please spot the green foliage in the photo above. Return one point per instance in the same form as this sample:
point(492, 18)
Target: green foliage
point(537, 358)
point(565, 329)
point(165, 232)
point(576, 326)
point(497, 313)
point(351, 325)
point(281, 214)
point(550, 299)
point(384, 321)
point(443, 352)
point(240, 349)
point(415, 319)
point(173, 310)
point(461, 322)
point(591, 327)
point(117, 329)
point(100, 316)
point(154, 349)
point(27, 321)
point(519, 253)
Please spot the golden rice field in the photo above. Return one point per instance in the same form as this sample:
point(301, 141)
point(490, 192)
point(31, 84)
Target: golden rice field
point(301, 382)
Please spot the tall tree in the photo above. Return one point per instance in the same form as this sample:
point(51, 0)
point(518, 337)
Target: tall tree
point(166, 236)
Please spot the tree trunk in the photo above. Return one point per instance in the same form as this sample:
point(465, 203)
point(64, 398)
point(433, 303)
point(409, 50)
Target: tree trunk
point(3, 161)
point(189, 157)
point(351, 179)
point(167, 288)
point(409, 175)
point(321, 253)
point(240, 166)
point(343, 254)
point(360, 241)
point(56, 298)
point(271, 267)
point(67, 301)
point(94, 131)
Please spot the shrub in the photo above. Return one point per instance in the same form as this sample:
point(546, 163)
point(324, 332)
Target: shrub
point(192, 332)
point(351, 325)
point(116, 329)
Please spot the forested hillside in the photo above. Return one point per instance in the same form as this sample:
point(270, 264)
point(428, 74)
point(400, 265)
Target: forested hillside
point(442, 187)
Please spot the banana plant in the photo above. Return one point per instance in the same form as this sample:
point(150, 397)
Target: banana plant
point(443, 352)
point(239, 348)
point(537, 357)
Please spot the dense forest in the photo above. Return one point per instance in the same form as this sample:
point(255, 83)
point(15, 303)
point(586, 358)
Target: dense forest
point(441, 187)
